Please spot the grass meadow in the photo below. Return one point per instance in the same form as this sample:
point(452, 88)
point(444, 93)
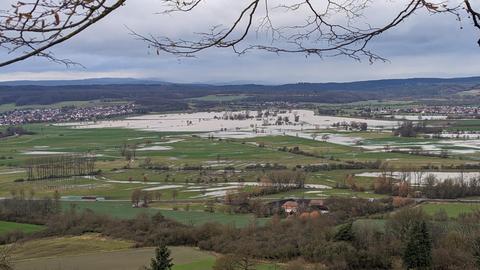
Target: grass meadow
point(94, 252)
point(453, 209)
point(7, 227)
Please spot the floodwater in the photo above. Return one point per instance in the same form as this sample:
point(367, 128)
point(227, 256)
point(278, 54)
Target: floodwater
point(214, 121)
point(216, 124)
point(411, 117)
point(155, 148)
point(413, 176)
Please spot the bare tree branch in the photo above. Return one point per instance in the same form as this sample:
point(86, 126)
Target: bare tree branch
point(325, 27)
point(34, 27)
point(474, 15)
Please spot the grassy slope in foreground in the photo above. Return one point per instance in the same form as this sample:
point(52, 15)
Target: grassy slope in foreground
point(95, 252)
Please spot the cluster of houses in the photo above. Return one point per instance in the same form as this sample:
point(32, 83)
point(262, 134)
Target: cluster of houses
point(64, 114)
point(443, 110)
point(447, 110)
point(302, 206)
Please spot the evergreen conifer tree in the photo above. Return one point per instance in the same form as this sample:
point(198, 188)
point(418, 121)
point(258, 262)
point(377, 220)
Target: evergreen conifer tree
point(162, 260)
point(418, 250)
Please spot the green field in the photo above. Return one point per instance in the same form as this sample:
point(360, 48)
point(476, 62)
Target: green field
point(11, 106)
point(453, 210)
point(472, 125)
point(188, 150)
point(107, 143)
point(125, 210)
point(6, 227)
point(332, 152)
point(221, 98)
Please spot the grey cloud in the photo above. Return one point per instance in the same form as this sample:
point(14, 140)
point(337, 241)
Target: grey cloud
point(424, 46)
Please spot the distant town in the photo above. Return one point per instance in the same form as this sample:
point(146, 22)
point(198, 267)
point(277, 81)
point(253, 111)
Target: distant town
point(65, 114)
point(449, 111)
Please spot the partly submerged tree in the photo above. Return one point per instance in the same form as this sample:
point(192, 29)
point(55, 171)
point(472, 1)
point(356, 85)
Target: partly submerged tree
point(321, 27)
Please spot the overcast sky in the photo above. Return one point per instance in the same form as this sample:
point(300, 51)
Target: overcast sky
point(424, 46)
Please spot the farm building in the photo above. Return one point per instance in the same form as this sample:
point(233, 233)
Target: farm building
point(318, 205)
point(290, 207)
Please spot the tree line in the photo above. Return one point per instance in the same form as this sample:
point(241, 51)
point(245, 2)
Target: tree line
point(14, 131)
point(60, 166)
point(430, 187)
point(408, 238)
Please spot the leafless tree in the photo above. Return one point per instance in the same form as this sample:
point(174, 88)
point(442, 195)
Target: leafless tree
point(136, 197)
point(418, 174)
point(325, 27)
point(405, 174)
point(62, 166)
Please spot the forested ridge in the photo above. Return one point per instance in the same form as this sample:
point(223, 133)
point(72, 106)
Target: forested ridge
point(168, 96)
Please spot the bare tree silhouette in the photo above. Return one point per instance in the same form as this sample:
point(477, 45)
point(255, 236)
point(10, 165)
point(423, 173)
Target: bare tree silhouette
point(328, 27)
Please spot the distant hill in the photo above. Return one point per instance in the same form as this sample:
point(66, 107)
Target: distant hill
point(414, 82)
point(356, 85)
point(97, 81)
point(159, 95)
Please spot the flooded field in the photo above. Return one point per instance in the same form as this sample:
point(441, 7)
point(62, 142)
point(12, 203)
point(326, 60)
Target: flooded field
point(452, 146)
point(296, 123)
point(412, 117)
point(422, 176)
point(229, 121)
